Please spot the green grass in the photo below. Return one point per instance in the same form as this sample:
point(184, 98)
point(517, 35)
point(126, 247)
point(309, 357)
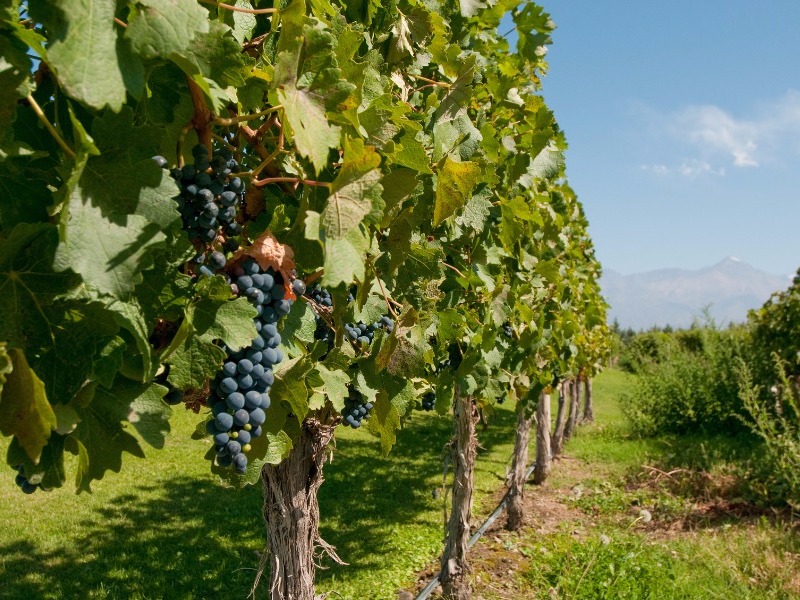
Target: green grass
point(164, 528)
point(606, 550)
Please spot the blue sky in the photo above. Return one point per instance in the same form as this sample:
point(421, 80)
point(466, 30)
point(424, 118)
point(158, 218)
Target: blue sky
point(683, 120)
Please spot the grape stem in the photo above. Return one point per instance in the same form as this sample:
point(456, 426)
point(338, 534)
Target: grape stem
point(385, 295)
point(431, 81)
point(268, 180)
point(202, 116)
point(243, 118)
point(249, 11)
point(43, 118)
point(314, 276)
point(453, 268)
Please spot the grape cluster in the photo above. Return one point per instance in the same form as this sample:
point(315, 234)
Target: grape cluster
point(428, 401)
point(453, 360)
point(356, 409)
point(240, 391)
point(507, 331)
point(209, 197)
point(23, 483)
point(360, 333)
point(211, 263)
point(363, 334)
point(321, 296)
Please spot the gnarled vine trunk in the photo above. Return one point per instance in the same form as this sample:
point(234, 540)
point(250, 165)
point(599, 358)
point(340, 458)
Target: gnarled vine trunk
point(588, 402)
point(574, 408)
point(564, 391)
point(519, 466)
point(455, 569)
point(544, 452)
point(291, 513)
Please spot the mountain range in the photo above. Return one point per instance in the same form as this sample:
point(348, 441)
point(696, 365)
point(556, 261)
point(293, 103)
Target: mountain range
point(678, 297)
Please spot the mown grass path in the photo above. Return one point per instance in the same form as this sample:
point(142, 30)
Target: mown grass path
point(657, 518)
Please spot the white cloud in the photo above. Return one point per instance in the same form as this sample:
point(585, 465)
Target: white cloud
point(714, 136)
point(688, 168)
point(714, 132)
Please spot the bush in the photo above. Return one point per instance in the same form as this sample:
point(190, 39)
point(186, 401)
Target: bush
point(777, 423)
point(691, 387)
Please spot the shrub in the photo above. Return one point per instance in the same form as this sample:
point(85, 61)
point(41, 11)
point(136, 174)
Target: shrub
point(692, 387)
point(777, 422)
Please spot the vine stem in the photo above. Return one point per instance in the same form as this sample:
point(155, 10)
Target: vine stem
point(454, 269)
point(202, 116)
point(43, 118)
point(268, 180)
point(250, 11)
point(383, 291)
point(243, 118)
point(431, 81)
point(121, 23)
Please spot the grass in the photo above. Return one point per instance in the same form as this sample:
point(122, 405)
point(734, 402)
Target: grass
point(657, 518)
point(164, 528)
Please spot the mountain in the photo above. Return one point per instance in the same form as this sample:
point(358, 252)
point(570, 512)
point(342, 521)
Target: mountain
point(677, 297)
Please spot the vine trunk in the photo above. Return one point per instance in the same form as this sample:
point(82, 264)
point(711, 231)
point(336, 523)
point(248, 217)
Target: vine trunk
point(519, 465)
point(574, 408)
point(455, 569)
point(561, 418)
point(588, 401)
point(291, 513)
point(544, 453)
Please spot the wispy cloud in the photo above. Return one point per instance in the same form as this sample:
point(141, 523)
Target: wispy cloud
point(716, 137)
point(687, 168)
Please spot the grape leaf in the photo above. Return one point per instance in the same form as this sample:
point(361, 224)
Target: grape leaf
point(82, 49)
point(392, 401)
point(230, 322)
point(355, 190)
point(344, 259)
point(109, 255)
point(25, 412)
point(454, 187)
point(66, 360)
point(290, 385)
point(28, 283)
point(159, 28)
point(141, 405)
point(307, 82)
point(335, 382)
point(15, 69)
point(193, 362)
point(470, 8)
point(49, 470)
point(102, 436)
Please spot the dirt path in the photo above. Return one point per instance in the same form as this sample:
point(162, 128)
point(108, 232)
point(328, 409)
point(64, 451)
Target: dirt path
point(571, 504)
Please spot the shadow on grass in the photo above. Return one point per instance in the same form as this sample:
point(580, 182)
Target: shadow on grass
point(187, 539)
point(366, 497)
point(192, 539)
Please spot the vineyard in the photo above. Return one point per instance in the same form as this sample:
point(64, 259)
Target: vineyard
point(250, 238)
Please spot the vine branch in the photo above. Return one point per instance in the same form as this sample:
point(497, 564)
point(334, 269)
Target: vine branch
point(49, 126)
point(249, 11)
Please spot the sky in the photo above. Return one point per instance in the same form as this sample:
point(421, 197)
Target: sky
point(683, 124)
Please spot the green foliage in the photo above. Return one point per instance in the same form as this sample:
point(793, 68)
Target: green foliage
point(778, 425)
point(402, 148)
point(776, 331)
point(690, 387)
